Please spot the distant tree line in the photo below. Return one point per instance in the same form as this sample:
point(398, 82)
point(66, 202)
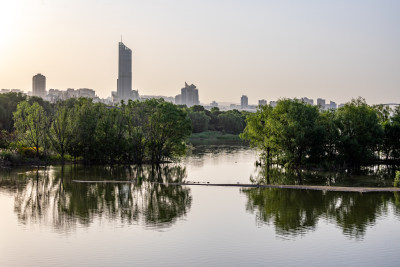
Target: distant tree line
point(297, 135)
point(231, 121)
point(153, 131)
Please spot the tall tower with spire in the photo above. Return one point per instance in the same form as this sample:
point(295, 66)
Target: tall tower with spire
point(124, 82)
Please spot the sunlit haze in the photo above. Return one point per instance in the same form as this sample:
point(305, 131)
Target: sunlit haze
point(335, 50)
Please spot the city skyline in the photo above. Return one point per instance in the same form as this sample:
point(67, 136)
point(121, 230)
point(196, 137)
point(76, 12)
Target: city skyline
point(265, 50)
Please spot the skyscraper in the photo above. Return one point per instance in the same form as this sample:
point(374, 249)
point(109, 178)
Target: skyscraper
point(39, 85)
point(244, 102)
point(124, 82)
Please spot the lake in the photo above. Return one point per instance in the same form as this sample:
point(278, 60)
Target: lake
point(47, 219)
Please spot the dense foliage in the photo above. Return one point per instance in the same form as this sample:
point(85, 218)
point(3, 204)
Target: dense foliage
point(296, 134)
point(231, 121)
point(152, 131)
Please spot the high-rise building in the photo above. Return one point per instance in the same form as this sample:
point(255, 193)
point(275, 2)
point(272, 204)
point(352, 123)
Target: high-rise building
point(244, 102)
point(124, 82)
point(189, 96)
point(39, 85)
point(307, 100)
point(321, 103)
point(332, 105)
point(262, 102)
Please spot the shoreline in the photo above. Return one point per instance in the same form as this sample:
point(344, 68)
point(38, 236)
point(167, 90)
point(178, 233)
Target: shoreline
point(299, 187)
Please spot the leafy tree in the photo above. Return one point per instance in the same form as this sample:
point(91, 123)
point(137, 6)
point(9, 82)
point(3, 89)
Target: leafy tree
point(8, 105)
point(232, 122)
point(392, 136)
point(60, 131)
point(31, 123)
point(166, 130)
point(360, 133)
point(327, 120)
point(110, 134)
point(296, 134)
point(200, 121)
point(83, 122)
point(258, 132)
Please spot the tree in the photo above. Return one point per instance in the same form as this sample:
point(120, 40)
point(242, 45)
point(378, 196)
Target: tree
point(8, 105)
point(166, 131)
point(327, 121)
point(231, 122)
point(359, 133)
point(289, 132)
point(296, 134)
point(31, 123)
point(83, 122)
point(110, 134)
point(259, 133)
point(199, 121)
point(60, 130)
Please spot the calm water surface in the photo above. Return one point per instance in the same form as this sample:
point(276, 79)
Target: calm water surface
point(48, 220)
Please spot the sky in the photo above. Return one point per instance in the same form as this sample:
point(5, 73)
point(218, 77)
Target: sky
point(336, 50)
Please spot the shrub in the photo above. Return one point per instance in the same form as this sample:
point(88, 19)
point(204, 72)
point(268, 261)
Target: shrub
point(396, 182)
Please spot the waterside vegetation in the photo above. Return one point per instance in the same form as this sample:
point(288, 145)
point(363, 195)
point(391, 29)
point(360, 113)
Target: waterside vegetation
point(152, 131)
point(34, 131)
point(298, 135)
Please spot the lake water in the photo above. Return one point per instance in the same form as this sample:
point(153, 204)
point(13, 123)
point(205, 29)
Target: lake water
point(48, 220)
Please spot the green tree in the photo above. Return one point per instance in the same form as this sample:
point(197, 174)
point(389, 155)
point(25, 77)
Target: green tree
point(31, 123)
point(8, 105)
point(200, 121)
point(83, 122)
point(231, 122)
point(296, 133)
point(166, 131)
point(110, 134)
point(258, 132)
point(327, 122)
point(360, 133)
point(60, 130)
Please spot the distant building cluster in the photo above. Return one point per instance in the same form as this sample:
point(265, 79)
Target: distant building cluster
point(54, 95)
point(5, 91)
point(244, 104)
point(189, 96)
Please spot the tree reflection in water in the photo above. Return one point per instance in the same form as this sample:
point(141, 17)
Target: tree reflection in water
point(51, 196)
point(294, 212)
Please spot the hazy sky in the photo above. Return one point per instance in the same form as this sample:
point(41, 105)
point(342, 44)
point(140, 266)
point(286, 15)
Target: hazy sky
point(335, 49)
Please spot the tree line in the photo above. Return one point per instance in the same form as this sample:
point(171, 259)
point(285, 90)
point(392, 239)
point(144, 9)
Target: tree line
point(153, 131)
point(231, 121)
point(297, 135)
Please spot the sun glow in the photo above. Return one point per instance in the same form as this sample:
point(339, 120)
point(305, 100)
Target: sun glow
point(9, 18)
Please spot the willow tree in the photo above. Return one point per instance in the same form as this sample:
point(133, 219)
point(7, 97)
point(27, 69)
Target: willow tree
point(31, 124)
point(60, 130)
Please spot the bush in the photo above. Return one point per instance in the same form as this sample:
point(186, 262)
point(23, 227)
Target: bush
point(27, 152)
point(9, 156)
point(396, 182)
